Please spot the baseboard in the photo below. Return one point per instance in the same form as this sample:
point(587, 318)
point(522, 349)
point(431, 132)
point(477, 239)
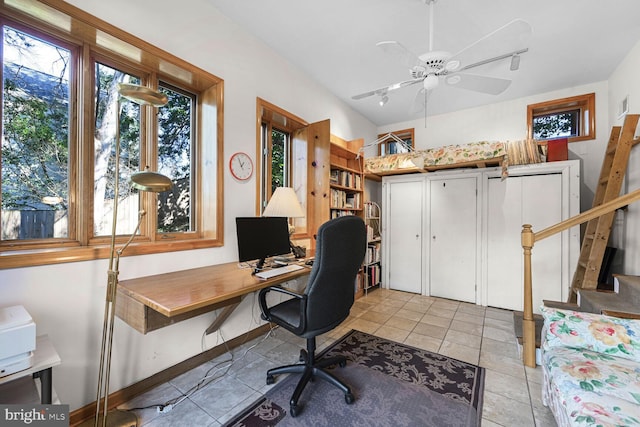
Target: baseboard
point(124, 395)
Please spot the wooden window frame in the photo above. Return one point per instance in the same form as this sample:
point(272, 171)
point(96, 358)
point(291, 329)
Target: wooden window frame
point(586, 104)
point(95, 39)
point(402, 134)
point(278, 118)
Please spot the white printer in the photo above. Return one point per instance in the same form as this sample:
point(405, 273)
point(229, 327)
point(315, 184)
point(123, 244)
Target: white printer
point(17, 340)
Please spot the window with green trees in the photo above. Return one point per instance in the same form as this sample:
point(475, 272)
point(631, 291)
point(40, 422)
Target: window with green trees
point(573, 118)
point(35, 139)
point(62, 122)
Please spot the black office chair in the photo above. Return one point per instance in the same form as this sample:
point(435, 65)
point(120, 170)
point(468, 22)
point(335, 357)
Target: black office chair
point(327, 299)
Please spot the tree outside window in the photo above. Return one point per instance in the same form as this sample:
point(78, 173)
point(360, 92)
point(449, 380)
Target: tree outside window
point(62, 122)
point(35, 143)
point(573, 118)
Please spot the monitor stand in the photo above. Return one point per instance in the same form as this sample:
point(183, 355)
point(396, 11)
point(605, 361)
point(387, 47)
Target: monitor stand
point(259, 266)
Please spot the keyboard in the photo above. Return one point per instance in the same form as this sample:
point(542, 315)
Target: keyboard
point(267, 274)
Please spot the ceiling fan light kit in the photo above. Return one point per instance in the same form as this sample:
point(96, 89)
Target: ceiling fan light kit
point(429, 67)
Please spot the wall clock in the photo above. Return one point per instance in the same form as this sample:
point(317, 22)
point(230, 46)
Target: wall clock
point(241, 166)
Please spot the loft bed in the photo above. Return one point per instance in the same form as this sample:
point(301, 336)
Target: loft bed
point(475, 155)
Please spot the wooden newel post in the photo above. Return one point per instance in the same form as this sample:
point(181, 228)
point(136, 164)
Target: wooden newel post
point(528, 324)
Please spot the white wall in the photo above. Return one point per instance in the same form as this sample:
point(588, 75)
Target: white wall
point(67, 300)
point(623, 83)
point(505, 121)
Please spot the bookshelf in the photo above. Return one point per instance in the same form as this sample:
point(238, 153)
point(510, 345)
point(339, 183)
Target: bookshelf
point(372, 271)
point(346, 186)
point(346, 182)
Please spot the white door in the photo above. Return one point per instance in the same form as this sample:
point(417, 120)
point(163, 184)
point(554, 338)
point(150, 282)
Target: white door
point(504, 249)
point(453, 238)
point(403, 235)
point(535, 200)
point(542, 207)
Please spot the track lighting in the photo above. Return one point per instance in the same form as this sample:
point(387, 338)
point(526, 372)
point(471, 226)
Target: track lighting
point(515, 62)
point(383, 100)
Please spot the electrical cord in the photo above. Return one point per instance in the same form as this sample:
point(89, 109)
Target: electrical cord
point(209, 376)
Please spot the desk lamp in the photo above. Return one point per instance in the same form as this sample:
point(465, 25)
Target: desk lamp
point(143, 181)
point(284, 202)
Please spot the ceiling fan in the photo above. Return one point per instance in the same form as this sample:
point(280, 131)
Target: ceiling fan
point(508, 41)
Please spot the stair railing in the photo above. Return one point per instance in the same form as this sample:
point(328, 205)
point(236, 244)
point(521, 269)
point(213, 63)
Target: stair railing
point(528, 238)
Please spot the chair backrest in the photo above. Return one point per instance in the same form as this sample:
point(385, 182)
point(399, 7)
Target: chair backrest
point(340, 248)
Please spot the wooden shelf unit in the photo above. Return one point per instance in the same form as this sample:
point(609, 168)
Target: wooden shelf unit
point(346, 183)
point(372, 266)
point(346, 179)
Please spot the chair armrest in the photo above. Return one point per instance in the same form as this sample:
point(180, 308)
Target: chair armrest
point(262, 298)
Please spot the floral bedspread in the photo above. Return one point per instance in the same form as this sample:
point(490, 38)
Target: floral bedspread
point(476, 153)
point(591, 367)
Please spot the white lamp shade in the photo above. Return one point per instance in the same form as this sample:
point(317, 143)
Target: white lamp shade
point(284, 202)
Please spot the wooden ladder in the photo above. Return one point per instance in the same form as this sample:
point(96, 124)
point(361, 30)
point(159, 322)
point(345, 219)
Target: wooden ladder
point(598, 230)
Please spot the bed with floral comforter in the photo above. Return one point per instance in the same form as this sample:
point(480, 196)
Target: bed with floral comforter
point(475, 154)
point(591, 368)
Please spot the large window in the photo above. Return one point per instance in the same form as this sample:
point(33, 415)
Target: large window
point(35, 138)
point(572, 118)
point(62, 122)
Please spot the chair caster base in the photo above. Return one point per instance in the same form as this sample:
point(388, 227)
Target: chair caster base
point(270, 379)
point(349, 398)
point(294, 410)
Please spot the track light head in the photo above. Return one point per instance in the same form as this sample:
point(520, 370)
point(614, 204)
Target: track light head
point(383, 100)
point(515, 62)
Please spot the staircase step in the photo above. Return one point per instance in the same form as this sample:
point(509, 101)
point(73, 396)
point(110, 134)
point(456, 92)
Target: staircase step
point(596, 301)
point(562, 305)
point(628, 287)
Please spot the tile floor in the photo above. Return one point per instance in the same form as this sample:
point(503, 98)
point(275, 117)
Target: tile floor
point(479, 335)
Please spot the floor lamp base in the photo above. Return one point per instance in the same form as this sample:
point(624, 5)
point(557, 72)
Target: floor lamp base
point(115, 418)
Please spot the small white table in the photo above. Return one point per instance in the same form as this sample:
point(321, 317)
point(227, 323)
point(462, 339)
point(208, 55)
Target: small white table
point(45, 357)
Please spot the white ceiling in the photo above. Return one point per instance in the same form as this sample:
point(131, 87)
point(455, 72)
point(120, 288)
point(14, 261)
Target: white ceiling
point(574, 42)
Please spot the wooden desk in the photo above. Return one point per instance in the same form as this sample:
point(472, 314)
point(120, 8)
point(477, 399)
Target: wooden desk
point(152, 302)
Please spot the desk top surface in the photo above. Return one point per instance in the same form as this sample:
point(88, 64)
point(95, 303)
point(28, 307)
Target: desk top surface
point(45, 356)
point(182, 291)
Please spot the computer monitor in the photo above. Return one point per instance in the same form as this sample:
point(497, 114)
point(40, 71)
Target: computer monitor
point(262, 237)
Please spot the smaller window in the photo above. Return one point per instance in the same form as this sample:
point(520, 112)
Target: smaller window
point(392, 146)
point(573, 118)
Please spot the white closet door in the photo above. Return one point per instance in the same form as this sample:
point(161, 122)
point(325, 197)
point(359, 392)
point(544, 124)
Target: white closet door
point(542, 207)
point(404, 235)
point(504, 250)
point(535, 200)
point(453, 238)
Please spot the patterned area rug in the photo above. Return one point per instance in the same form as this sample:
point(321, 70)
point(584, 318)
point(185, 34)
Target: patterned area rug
point(394, 385)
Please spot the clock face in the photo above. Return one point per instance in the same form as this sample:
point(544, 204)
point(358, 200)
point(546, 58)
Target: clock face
point(241, 166)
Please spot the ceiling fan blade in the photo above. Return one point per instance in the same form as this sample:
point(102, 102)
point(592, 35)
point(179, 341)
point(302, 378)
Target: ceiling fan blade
point(509, 38)
point(484, 84)
point(400, 53)
point(386, 89)
point(420, 101)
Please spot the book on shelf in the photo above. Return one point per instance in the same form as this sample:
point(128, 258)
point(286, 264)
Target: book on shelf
point(339, 213)
point(372, 254)
point(372, 275)
point(342, 200)
point(345, 179)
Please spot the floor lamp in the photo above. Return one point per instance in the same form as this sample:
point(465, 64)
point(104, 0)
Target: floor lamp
point(143, 181)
